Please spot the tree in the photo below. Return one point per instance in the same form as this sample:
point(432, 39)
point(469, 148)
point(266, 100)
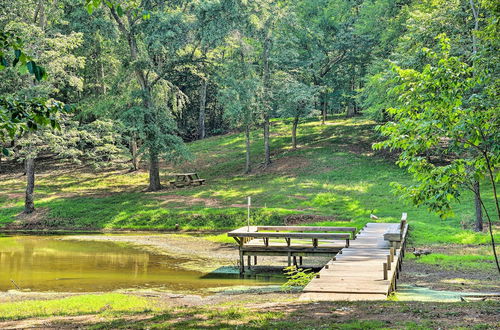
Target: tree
point(61, 65)
point(18, 116)
point(460, 20)
point(211, 28)
point(440, 110)
point(30, 109)
point(152, 54)
point(294, 100)
point(328, 50)
point(240, 93)
point(94, 144)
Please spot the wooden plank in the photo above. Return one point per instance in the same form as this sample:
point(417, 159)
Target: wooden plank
point(343, 283)
point(292, 248)
point(347, 276)
point(364, 252)
point(326, 253)
point(386, 245)
point(246, 229)
point(296, 241)
point(295, 228)
point(377, 224)
point(326, 296)
point(289, 235)
point(369, 289)
point(343, 259)
point(271, 244)
point(356, 285)
point(306, 228)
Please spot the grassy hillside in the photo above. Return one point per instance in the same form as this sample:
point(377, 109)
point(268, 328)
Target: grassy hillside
point(333, 178)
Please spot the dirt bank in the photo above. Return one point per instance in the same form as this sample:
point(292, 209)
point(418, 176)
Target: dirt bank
point(205, 255)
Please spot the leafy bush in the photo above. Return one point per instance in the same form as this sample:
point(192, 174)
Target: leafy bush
point(297, 277)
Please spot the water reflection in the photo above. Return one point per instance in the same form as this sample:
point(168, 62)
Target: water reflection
point(42, 263)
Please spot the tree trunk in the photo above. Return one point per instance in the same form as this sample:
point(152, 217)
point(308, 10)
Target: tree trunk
point(349, 111)
point(154, 172)
point(101, 78)
point(248, 167)
point(476, 26)
point(133, 150)
point(477, 191)
point(100, 88)
point(325, 105)
point(40, 15)
point(203, 102)
point(267, 147)
point(479, 211)
point(29, 205)
point(266, 75)
point(294, 132)
point(154, 167)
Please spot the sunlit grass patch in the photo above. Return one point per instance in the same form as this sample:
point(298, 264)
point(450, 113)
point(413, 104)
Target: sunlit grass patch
point(219, 238)
point(457, 262)
point(446, 231)
point(112, 303)
point(223, 318)
point(461, 281)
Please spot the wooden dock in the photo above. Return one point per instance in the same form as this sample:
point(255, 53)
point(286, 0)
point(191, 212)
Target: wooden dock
point(365, 270)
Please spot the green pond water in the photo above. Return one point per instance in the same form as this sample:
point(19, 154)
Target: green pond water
point(48, 263)
point(414, 293)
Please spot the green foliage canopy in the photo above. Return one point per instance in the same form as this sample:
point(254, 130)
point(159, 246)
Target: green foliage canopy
point(440, 110)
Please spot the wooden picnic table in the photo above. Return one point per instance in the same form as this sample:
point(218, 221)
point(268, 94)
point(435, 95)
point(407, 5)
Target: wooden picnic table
point(291, 241)
point(186, 179)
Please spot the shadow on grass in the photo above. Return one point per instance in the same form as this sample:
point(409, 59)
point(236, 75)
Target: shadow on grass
point(133, 211)
point(322, 315)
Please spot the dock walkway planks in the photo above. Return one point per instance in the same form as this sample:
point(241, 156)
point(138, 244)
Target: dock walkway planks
point(357, 272)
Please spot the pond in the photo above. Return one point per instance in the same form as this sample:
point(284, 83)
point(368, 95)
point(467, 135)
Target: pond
point(48, 263)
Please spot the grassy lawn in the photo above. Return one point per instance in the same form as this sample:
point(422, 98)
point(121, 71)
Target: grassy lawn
point(333, 173)
point(275, 312)
point(111, 303)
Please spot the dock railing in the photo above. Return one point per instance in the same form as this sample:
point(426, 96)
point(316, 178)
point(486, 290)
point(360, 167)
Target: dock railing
point(395, 256)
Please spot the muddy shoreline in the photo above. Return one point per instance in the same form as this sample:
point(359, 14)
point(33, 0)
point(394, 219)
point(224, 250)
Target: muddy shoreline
point(71, 230)
point(206, 256)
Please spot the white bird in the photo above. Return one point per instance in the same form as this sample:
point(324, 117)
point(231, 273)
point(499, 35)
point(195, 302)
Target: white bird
point(373, 216)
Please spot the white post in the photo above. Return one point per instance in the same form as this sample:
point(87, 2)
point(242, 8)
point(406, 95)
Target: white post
point(248, 213)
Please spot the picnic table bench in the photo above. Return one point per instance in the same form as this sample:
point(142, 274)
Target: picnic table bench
point(186, 179)
point(291, 241)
